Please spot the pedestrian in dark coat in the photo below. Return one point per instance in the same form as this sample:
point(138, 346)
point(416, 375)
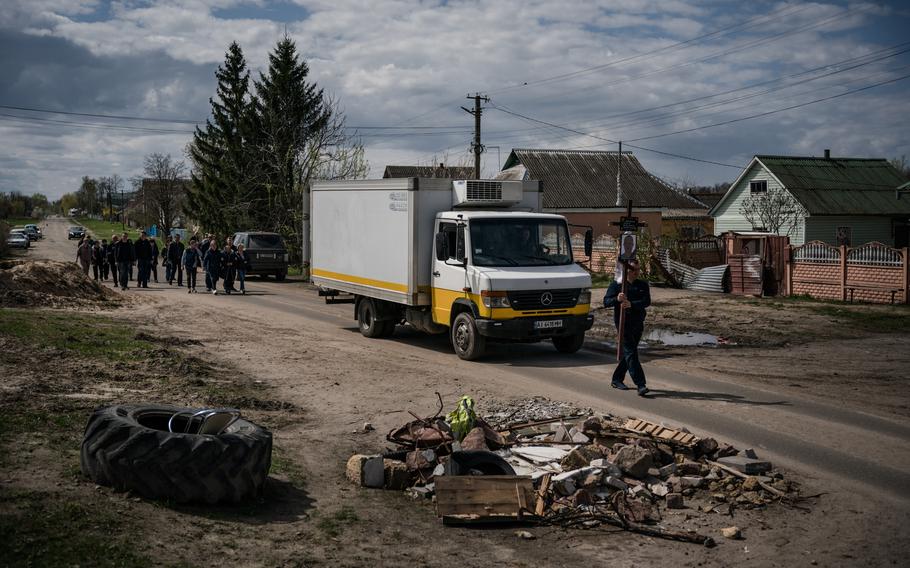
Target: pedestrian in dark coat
point(174, 254)
point(636, 300)
point(191, 260)
point(112, 262)
point(125, 255)
point(227, 268)
point(156, 253)
point(241, 265)
point(212, 265)
point(143, 259)
point(105, 264)
point(97, 261)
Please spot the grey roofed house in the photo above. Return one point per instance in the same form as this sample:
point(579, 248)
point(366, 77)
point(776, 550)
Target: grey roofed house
point(440, 171)
point(586, 179)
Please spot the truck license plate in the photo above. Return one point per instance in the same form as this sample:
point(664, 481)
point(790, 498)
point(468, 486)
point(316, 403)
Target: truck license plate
point(547, 324)
point(266, 256)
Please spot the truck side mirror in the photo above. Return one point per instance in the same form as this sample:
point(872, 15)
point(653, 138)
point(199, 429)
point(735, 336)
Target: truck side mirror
point(589, 242)
point(442, 246)
point(459, 246)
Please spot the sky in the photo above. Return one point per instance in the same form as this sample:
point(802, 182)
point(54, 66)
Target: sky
point(694, 88)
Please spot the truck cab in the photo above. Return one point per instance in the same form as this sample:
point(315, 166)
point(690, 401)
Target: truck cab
point(508, 276)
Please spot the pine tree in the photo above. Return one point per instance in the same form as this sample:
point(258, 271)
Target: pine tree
point(289, 112)
point(221, 188)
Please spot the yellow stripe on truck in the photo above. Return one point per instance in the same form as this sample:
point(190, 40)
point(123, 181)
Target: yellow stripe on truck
point(392, 286)
point(443, 299)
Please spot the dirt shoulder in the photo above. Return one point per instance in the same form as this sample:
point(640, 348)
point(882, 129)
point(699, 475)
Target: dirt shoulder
point(854, 354)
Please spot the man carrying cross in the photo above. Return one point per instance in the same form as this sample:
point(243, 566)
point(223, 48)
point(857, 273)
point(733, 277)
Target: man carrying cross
point(633, 298)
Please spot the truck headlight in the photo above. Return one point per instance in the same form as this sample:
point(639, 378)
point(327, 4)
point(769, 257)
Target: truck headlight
point(585, 296)
point(497, 299)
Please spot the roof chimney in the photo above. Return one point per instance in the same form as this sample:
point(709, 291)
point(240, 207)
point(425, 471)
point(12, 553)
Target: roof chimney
point(827, 153)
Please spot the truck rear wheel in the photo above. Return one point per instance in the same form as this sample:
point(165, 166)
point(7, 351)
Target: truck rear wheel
point(366, 318)
point(467, 342)
point(569, 343)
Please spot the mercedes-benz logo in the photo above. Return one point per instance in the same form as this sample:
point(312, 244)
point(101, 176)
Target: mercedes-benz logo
point(546, 298)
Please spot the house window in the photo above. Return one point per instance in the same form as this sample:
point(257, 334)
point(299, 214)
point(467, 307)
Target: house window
point(758, 186)
point(759, 229)
point(844, 236)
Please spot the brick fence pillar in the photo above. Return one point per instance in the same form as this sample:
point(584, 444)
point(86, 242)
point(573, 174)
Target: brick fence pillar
point(843, 272)
point(905, 254)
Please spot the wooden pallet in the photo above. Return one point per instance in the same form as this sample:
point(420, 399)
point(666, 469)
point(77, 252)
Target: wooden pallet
point(658, 431)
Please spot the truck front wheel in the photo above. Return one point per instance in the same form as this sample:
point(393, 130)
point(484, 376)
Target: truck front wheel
point(366, 318)
point(569, 343)
point(468, 343)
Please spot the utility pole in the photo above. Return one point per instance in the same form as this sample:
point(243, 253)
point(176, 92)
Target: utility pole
point(122, 210)
point(476, 146)
point(619, 199)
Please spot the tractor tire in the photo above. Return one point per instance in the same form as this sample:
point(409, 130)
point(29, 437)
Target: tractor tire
point(129, 448)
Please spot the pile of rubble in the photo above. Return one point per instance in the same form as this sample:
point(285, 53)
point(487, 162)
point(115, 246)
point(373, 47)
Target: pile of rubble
point(581, 471)
point(50, 283)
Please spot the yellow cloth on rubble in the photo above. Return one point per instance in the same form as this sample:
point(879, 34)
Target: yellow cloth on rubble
point(462, 419)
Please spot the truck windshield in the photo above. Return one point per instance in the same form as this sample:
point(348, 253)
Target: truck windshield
point(520, 242)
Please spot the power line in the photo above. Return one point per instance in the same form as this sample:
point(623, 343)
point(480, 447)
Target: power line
point(670, 154)
point(759, 115)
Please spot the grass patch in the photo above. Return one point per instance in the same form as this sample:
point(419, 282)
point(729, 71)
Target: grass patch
point(599, 280)
point(14, 222)
point(895, 320)
point(36, 529)
point(334, 524)
point(284, 465)
point(88, 335)
point(103, 230)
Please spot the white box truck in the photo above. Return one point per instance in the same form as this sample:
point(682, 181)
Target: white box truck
point(472, 258)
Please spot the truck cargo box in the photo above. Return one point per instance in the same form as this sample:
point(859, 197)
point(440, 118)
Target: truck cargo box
point(375, 237)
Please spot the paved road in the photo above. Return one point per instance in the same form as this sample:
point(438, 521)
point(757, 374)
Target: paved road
point(836, 445)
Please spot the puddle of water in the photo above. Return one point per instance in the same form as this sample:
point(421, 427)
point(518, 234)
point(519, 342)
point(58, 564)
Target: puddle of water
point(668, 337)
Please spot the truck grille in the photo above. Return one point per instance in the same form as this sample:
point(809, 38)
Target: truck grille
point(484, 190)
point(544, 299)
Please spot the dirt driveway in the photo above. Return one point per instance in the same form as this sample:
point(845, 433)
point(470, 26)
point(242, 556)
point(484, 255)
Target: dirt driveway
point(300, 368)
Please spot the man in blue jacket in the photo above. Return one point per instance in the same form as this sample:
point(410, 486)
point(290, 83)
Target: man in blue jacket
point(636, 300)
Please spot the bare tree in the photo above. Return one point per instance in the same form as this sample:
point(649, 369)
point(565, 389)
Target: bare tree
point(775, 211)
point(163, 189)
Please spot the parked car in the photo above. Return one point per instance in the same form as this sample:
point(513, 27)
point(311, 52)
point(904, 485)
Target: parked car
point(36, 228)
point(266, 251)
point(75, 233)
point(17, 239)
point(31, 233)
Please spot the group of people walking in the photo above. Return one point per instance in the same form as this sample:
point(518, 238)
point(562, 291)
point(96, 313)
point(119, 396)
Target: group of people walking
point(118, 258)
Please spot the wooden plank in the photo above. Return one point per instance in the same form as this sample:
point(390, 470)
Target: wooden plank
point(541, 506)
point(484, 495)
point(658, 431)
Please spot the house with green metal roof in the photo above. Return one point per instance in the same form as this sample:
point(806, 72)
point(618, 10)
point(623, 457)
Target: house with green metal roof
point(848, 201)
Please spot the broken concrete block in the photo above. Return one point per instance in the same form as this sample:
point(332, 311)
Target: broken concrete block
point(580, 457)
point(659, 489)
point(579, 438)
point(634, 460)
point(420, 459)
point(475, 440)
point(749, 453)
point(439, 470)
point(525, 535)
point(667, 470)
point(592, 479)
point(565, 487)
point(609, 467)
point(746, 465)
point(751, 484)
point(675, 501)
point(373, 472)
point(615, 482)
point(641, 491)
point(691, 481)
point(732, 533)
point(396, 475)
point(561, 434)
point(593, 425)
point(706, 446)
point(689, 468)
